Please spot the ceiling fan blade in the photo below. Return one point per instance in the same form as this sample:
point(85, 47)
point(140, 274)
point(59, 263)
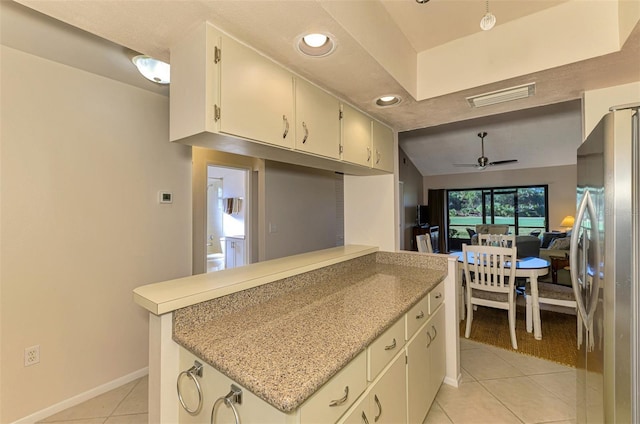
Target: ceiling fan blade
point(502, 162)
point(466, 165)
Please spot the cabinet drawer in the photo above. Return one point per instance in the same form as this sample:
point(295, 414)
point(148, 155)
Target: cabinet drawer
point(436, 297)
point(384, 348)
point(341, 390)
point(417, 316)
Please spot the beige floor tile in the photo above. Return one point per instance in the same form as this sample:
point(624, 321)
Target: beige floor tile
point(128, 419)
point(137, 401)
point(470, 344)
point(87, 421)
point(471, 403)
point(529, 365)
point(562, 384)
point(531, 402)
point(99, 407)
point(466, 377)
point(483, 364)
point(436, 415)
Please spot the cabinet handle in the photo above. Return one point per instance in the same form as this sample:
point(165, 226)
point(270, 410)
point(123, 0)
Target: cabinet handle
point(342, 400)
point(435, 332)
point(420, 315)
point(286, 126)
point(391, 346)
point(377, 417)
point(364, 418)
point(430, 339)
point(439, 295)
point(368, 154)
point(377, 157)
point(306, 132)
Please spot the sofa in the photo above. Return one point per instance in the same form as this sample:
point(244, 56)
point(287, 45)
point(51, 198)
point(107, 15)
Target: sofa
point(556, 244)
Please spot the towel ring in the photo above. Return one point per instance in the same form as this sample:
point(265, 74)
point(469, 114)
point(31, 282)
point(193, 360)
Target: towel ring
point(234, 396)
point(192, 373)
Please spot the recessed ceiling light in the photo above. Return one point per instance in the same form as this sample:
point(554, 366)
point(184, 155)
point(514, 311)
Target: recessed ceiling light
point(388, 100)
point(152, 69)
point(316, 44)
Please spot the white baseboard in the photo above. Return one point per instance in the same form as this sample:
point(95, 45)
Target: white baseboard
point(82, 397)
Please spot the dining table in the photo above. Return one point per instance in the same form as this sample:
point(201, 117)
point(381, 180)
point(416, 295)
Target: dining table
point(530, 268)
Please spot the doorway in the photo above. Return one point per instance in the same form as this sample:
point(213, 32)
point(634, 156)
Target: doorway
point(227, 217)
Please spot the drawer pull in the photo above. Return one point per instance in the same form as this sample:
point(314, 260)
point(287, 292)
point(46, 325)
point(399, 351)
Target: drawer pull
point(391, 346)
point(438, 296)
point(420, 315)
point(342, 400)
point(377, 417)
point(364, 418)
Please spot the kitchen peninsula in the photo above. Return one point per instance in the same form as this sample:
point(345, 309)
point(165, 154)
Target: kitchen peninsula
point(291, 330)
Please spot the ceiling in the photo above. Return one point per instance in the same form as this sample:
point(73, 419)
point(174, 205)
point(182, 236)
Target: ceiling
point(383, 46)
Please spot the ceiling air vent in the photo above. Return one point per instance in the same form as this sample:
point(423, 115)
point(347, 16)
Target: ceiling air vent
point(501, 96)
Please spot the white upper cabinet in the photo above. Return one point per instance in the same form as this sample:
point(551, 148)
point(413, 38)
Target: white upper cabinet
point(256, 96)
point(317, 121)
point(382, 147)
point(356, 136)
point(228, 97)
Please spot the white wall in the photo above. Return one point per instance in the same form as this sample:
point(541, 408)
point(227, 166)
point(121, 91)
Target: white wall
point(596, 103)
point(562, 182)
point(82, 160)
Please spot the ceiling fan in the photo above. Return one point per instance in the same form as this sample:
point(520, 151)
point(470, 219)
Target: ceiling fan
point(483, 161)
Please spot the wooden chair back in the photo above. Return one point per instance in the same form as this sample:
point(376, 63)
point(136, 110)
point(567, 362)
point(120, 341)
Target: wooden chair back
point(423, 242)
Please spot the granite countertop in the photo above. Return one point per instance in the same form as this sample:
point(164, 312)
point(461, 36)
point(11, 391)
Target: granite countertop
point(284, 340)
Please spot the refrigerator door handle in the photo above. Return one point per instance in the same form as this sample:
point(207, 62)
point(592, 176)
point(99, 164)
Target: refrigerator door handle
point(586, 311)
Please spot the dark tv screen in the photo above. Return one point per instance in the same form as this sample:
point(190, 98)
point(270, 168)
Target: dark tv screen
point(422, 215)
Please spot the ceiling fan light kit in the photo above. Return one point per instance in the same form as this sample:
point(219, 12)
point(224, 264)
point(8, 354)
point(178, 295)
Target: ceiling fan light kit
point(504, 95)
point(483, 161)
point(488, 21)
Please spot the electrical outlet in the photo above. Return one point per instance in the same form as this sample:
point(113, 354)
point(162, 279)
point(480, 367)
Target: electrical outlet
point(31, 355)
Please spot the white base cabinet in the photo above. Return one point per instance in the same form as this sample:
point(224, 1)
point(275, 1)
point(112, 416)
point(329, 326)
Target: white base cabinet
point(234, 252)
point(401, 390)
point(385, 400)
point(425, 366)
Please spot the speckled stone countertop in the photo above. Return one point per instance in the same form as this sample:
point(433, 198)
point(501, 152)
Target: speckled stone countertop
point(284, 340)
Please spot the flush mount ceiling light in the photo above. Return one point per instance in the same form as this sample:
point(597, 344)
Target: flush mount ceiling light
point(488, 20)
point(505, 95)
point(152, 69)
point(316, 44)
point(422, 1)
point(389, 100)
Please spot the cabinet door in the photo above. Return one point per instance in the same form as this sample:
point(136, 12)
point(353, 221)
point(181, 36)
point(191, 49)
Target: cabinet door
point(238, 248)
point(388, 398)
point(256, 96)
point(317, 121)
point(418, 372)
point(356, 136)
point(229, 253)
point(437, 351)
point(385, 402)
point(382, 147)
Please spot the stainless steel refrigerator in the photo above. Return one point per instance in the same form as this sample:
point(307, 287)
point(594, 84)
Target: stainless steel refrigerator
point(604, 264)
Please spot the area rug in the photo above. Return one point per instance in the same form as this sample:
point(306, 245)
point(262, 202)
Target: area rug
point(559, 339)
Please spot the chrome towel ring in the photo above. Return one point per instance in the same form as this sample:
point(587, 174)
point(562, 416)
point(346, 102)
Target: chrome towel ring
point(233, 397)
point(192, 373)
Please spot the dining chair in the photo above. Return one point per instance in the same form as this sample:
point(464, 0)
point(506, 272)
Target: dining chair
point(552, 294)
point(423, 241)
point(503, 240)
point(490, 281)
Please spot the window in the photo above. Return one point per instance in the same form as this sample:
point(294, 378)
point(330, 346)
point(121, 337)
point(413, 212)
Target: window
point(524, 209)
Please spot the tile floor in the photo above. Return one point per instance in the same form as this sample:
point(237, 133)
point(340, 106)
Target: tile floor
point(498, 386)
point(124, 405)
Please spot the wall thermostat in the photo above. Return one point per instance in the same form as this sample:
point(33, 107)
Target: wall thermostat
point(165, 197)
